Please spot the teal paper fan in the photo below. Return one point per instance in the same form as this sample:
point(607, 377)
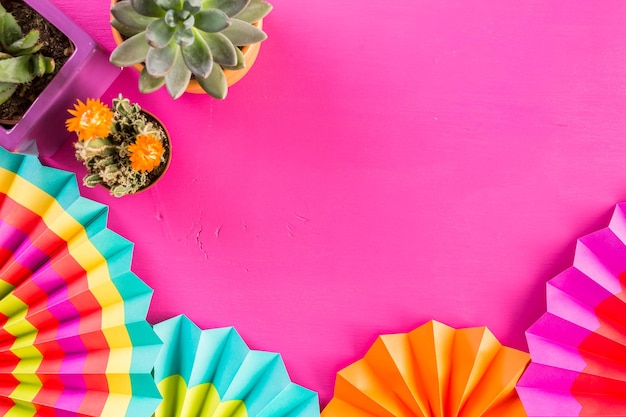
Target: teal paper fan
point(211, 373)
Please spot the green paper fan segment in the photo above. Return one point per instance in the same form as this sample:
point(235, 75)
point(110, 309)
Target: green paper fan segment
point(74, 340)
point(211, 373)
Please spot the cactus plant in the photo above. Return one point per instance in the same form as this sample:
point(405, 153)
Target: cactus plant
point(125, 148)
point(19, 61)
point(176, 39)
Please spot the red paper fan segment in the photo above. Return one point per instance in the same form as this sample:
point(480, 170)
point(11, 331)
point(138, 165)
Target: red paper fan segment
point(578, 347)
point(73, 335)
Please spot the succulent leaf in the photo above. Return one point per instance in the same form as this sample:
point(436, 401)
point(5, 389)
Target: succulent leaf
point(123, 11)
point(193, 6)
point(10, 30)
point(6, 91)
point(159, 34)
point(170, 4)
point(160, 60)
point(26, 44)
point(241, 61)
point(148, 83)
point(21, 69)
point(212, 20)
point(189, 22)
point(130, 52)
point(222, 50)
point(41, 65)
point(256, 10)
point(215, 84)
point(147, 8)
point(197, 56)
point(243, 33)
point(183, 37)
point(126, 31)
point(230, 7)
point(177, 79)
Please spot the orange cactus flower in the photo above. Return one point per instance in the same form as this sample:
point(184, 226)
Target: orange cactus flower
point(92, 119)
point(145, 153)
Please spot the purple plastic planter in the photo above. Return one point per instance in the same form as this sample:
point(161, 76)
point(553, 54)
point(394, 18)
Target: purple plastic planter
point(87, 73)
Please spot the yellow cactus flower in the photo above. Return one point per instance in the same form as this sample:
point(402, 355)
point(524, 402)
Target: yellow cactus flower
point(91, 120)
point(145, 153)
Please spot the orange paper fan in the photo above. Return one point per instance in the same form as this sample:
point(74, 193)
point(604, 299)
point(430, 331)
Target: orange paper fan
point(432, 371)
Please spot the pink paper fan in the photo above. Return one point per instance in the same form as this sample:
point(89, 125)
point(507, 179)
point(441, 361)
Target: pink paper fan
point(578, 347)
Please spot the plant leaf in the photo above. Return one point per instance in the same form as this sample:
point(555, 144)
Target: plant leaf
point(17, 70)
point(125, 30)
point(147, 8)
point(159, 61)
point(177, 79)
point(222, 49)
point(230, 7)
point(215, 84)
point(6, 91)
point(25, 44)
point(256, 10)
point(159, 34)
point(148, 83)
point(197, 56)
point(243, 33)
point(241, 61)
point(194, 6)
point(183, 37)
point(123, 11)
point(132, 51)
point(11, 30)
point(211, 20)
point(170, 4)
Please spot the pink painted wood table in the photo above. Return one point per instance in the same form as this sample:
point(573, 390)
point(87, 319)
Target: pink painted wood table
point(382, 164)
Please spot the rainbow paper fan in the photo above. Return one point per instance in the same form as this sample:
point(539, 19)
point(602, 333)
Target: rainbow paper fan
point(73, 336)
point(213, 373)
point(432, 371)
point(578, 347)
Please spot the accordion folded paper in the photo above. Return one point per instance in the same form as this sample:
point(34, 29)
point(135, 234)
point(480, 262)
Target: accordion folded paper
point(213, 373)
point(432, 371)
point(578, 347)
point(73, 336)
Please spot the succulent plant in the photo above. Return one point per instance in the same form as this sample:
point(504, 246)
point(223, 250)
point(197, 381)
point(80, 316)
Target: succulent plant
point(19, 61)
point(123, 148)
point(176, 39)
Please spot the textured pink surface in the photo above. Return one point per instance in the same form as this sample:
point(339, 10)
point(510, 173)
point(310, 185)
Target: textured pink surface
point(383, 164)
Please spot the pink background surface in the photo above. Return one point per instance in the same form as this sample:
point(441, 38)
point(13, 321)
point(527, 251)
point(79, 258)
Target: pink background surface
point(382, 164)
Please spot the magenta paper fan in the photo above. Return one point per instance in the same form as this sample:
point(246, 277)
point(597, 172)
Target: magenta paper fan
point(74, 340)
point(578, 347)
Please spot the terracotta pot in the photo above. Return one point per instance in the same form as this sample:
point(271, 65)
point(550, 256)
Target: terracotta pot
point(250, 53)
point(168, 151)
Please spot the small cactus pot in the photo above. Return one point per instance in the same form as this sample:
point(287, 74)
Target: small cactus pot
point(250, 53)
point(159, 172)
point(86, 73)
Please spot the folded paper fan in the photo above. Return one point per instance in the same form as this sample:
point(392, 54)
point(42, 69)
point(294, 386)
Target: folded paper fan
point(432, 371)
point(212, 373)
point(578, 347)
point(73, 336)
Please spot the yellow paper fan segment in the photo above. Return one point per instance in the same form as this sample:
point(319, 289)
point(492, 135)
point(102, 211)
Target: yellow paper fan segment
point(432, 371)
point(74, 340)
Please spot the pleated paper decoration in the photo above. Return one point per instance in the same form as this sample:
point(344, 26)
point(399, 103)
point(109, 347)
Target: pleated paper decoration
point(578, 347)
point(73, 336)
point(205, 373)
point(432, 371)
